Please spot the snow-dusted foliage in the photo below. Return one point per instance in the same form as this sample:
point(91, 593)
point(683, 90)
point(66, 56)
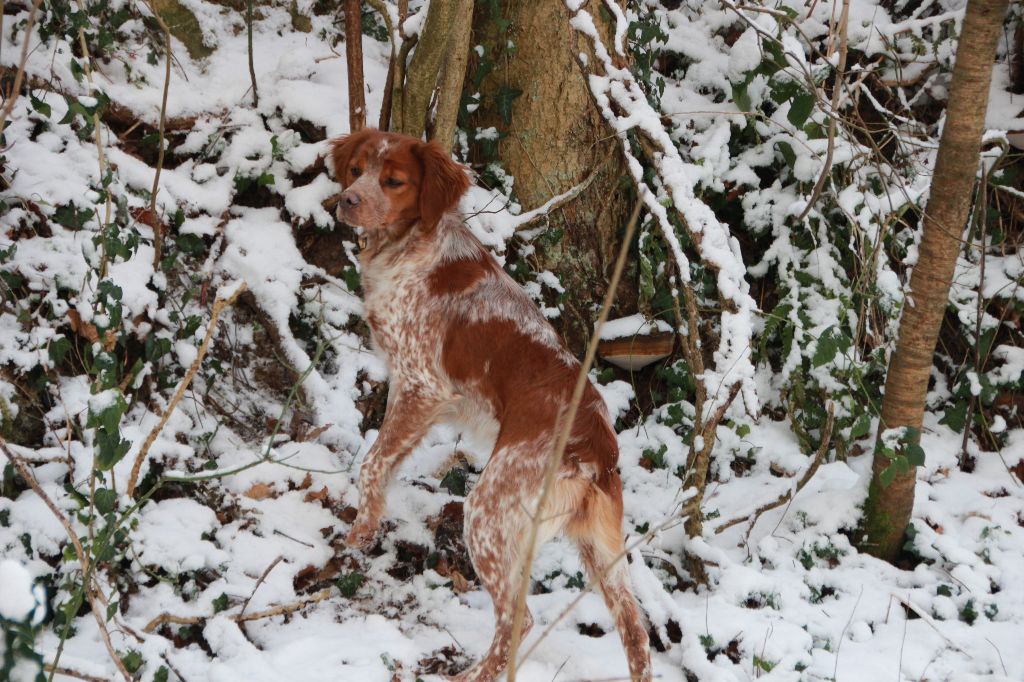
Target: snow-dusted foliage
point(785, 190)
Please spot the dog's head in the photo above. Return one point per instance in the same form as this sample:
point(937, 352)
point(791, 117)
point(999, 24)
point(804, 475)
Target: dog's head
point(388, 178)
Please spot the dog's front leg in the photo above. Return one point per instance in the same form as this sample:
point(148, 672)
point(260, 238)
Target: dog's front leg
point(410, 414)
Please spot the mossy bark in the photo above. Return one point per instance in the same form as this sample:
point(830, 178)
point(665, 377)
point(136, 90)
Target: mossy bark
point(555, 139)
point(888, 508)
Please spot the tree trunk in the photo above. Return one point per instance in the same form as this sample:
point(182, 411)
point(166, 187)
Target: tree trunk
point(555, 140)
point(428, 100)
point(354, 60)
point(888, 507)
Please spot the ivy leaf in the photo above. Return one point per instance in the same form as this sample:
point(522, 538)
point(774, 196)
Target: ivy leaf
point(826, 349)
point(800, 109)
point(106, 500)
point(955, 416)
point(40, 106)
point(887, 475)
point(915, 454)
point(860, 427)
point(503, 99)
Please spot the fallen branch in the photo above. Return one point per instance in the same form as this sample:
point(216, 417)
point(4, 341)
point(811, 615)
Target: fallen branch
point(819, 456)
point(555, 457)
point(169, 618)
point(218, 306)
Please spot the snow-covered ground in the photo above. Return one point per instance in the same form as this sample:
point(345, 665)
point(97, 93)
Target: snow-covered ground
point(790, 598)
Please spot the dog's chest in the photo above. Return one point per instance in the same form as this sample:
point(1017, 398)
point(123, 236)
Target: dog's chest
point(400, 313)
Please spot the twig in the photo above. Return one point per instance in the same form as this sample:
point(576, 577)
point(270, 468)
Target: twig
point(165, 618)
point(837, 88)
point(926, 617)
point(218, 306)
point(16, 89)
point(826, 438)
point(68, 672)
point(259, 582)
point(83, 558)
point(555, 457)
point(158, 241)
point(252, 66)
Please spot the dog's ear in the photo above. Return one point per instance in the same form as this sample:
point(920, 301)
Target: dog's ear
point(342, 150)
point(444, 182)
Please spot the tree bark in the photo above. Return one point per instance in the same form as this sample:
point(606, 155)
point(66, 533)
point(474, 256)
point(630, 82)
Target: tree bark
point(354, 59)
point(888, 508)
point(428, 100)
point(556, 139)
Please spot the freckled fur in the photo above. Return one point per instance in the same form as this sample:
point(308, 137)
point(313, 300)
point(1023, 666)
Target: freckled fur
point(464, 343)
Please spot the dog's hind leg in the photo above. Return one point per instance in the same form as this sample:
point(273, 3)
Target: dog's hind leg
point(497, 523)
point(597, 530)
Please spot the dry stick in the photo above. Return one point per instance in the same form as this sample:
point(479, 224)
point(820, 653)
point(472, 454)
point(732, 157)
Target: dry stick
point(252, 66)
point(837, 88)
point(158, 241)
point(555, 458)
point(259, 582)
point(354, 60)
point(792, 492)
point(16, 90)
point(83, 558)
point(926, 617)
point(68, 672)
point(218, 306)
point(165, 618)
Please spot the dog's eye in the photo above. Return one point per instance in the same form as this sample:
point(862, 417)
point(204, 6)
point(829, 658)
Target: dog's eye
point(393, 182)
point(356, 172)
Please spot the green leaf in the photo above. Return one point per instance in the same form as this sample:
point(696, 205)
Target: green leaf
point(801, 108)
point(788, 155)
point(350, 583)
point(740, 95)
point(70, 217)
point(106, 500)
point(826, 349)
point(887, 475)
point(915, 454)
point(220, 603)
point(58, 349)
point(503, 99)
point(40, 106)
point(955, 416)
point(860, 427)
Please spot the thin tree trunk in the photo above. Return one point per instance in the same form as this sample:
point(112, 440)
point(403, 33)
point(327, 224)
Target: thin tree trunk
point(428, 101)
point(354, 58)
point(888, 508)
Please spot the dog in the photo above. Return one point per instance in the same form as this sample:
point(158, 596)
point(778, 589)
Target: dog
point(465, 344)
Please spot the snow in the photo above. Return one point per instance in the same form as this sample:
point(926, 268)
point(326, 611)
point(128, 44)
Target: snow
point(790, 590)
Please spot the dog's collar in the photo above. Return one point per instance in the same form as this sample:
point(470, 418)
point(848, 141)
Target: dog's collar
point(362, 241)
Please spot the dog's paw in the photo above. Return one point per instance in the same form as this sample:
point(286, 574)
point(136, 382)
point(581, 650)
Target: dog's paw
point(362, 534)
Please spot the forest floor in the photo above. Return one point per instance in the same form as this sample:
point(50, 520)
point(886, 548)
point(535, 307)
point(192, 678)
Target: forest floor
point(789, 599)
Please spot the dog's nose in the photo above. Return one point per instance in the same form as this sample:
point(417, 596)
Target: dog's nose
point(350, 199)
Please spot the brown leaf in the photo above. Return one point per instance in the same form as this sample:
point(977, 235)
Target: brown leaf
point(317, 496)
point(260, 491)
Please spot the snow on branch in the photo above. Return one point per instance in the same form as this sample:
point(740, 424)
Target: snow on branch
point(625, 107)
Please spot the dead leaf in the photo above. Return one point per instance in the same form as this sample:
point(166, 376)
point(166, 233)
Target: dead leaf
point(260, 491)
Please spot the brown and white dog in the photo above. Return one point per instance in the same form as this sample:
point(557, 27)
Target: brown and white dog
point(464, 343)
